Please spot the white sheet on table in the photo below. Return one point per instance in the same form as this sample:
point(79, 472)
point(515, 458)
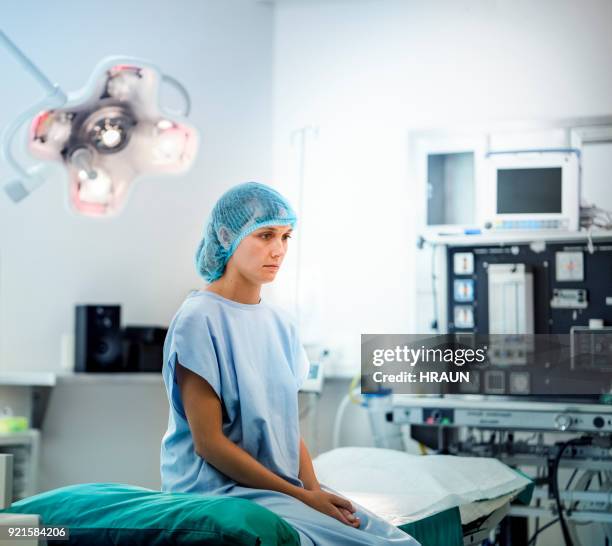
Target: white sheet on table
point(478, 509)
point(401, 487)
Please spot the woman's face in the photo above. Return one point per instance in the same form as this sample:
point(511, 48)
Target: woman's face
point(260, 254)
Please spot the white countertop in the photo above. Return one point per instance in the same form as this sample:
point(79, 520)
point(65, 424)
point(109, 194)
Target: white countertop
point(25, 379)
point(118, 378)
point(477, 402)
point(50, 379)
point(515, 238)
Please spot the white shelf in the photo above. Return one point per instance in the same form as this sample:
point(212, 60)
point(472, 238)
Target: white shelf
point(28, 379)
point(115, 378)
point(40, 386)
point(478, 402)
point(50, 379)
point(518, 237)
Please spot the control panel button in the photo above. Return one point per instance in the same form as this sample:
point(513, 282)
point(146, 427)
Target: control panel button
point(563, 421)
point(598, 422)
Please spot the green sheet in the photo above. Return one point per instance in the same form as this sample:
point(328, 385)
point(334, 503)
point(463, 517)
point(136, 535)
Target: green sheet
point(110, 514)
point(526, 494)
point(441, 529)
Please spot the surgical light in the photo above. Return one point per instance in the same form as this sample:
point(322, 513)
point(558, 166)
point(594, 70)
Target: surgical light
point(106, 135)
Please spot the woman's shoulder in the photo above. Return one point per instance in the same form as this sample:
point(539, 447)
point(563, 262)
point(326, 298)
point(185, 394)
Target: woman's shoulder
point(194, 310)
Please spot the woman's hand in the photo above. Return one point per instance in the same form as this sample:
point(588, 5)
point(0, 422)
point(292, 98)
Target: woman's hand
point(354, 520)
point(332, 505)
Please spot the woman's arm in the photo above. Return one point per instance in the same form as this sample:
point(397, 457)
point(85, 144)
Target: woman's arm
point(309, 479)
point(307, 473)
point(204, 414)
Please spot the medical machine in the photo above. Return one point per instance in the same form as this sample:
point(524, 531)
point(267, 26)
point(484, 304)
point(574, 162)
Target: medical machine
point(523, 288)
point(591, 346)
point(534, 287)
point(314, 379)
point(450, 191)
point(6, 481)
point(448, 171)
point(504, 177)
point(533, 190)
point(519, 289)
point(502, 414)
point(510, 288)
point(23, 448)
point(6, 500)
point(310, 393)
point(514, 433)
point(512, 291)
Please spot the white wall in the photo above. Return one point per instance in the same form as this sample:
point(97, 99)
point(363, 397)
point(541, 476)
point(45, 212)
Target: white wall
point(368, 71)
point(50, 259)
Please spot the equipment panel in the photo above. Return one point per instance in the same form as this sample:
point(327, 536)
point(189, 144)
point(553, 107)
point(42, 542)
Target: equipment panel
point(571, 285)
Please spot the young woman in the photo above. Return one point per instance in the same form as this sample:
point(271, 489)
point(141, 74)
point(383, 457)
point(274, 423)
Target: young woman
point(232, 369)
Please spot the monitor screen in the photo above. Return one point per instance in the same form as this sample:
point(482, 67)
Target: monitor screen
point(528, 191)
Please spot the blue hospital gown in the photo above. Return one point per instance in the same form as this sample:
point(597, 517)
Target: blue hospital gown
point(252, 357)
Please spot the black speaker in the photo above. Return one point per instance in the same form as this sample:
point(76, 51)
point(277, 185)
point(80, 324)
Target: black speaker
point(143, 347)
point(98, 345)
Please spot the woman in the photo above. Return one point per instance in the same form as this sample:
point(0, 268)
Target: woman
point(232, 369)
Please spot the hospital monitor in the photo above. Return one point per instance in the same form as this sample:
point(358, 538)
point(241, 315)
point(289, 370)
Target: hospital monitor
point(536, 190)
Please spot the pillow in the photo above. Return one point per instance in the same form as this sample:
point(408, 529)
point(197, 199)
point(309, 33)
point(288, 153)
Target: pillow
point(112, 514)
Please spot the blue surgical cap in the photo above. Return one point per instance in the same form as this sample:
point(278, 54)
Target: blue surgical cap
point(238, 212)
